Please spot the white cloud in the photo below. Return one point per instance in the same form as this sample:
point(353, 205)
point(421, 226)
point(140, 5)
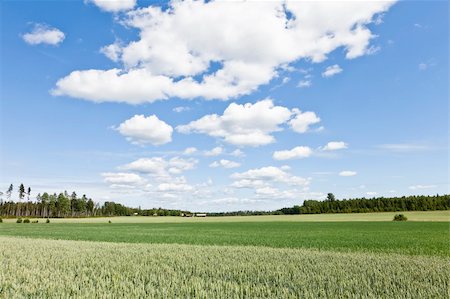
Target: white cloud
point(146, 130)
point(347, 173)
point(225, 164)
point(44, 34)
point(176, 185)
point(112, 51)
point(155, 165)
point(421, 187)
point(260, 176)
point(122, 178)
point(234, 200)
point(335, 145)
point(250, 124)
point(121, 186)
point(295, 153)
point(237, 153)
point(404, 147)
point(331, 71)
point(114, 5)
point(371, 193)
point(426, 65)
point(133, 87)
point(159, 166)
point(304, 83)
point(173, 58)
point(303, 120)
point(180, 109)
point(190, 151)
point(178, 165)
point(214, 152)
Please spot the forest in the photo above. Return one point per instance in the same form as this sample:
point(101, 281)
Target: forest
point(62, 205)
point(368, 205)
point(71, 205)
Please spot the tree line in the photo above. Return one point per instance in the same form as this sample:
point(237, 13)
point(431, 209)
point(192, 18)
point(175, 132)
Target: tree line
point(356, 205)
point(368, 205)
point(60, 205)
point(64, 205)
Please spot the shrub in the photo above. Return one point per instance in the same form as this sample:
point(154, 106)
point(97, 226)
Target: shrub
point(109, 221)
point(400, 217)
point(26, 220)
point(1, 220)
point(19, 220)
point(47, 221)
point(35, 221)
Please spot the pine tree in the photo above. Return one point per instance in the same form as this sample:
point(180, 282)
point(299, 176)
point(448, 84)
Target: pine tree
point(21, 191)
point(9, 191)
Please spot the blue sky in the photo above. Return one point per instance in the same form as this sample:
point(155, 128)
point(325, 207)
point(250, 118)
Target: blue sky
point(104, 98)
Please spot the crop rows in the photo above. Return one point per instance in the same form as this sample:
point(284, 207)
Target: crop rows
point(40, 268)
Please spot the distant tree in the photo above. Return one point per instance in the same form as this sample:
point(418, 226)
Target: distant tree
point(28, 193)
point(52, 205)
point(73, 202)
point(45, 204)
point(89, 206)
point(400, 217)
point(21, 191)
point(9, 191)
point(330, 197)
point(63, 205)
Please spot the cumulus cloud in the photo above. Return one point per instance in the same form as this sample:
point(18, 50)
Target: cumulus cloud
point(173, 58)
point(159, 166)
point(250, 124)
point(112, 51)
point(237, 153)
point(180, 109)
point(304, 83)
point(114, 5)
point(331, 71)
point(297, 152)
point(303, 120)
point(176, 185)
point(347, 173)
point(143, 130)
point(421, 187)
point(225, 164)
point(44, 34)
point(371, 193)
point(214, 152)
point(335, 145)
point(259, 177)
point(190, 151)
point(122, 178)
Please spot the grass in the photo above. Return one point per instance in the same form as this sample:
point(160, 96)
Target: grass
point(414, 238)
point(439, 216)
point(303, 256)
point(36, 268)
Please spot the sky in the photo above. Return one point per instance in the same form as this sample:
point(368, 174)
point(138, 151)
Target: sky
point(220, 106)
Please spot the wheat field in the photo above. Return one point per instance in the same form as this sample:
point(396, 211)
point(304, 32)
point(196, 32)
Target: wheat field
point(38, 268)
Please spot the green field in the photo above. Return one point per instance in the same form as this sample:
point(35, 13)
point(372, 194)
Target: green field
point(63, 269)
point(419, 238)
point(337, 256)
point(384, 216)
